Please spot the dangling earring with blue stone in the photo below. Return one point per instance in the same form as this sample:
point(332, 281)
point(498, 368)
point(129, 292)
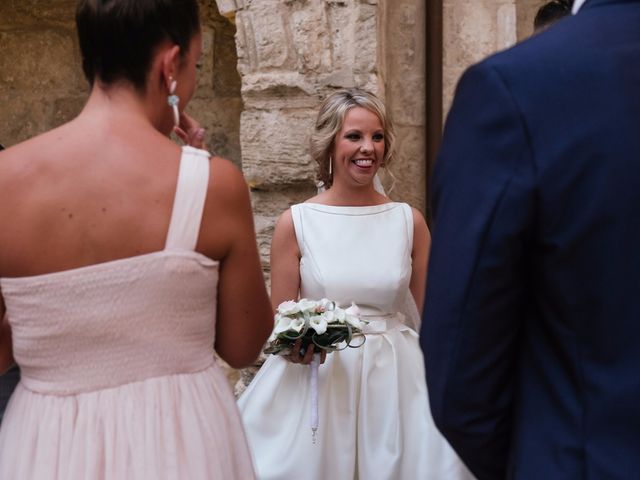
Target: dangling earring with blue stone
point(174, 100)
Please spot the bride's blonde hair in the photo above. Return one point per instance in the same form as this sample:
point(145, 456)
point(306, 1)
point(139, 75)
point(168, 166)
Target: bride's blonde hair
point(330, 120)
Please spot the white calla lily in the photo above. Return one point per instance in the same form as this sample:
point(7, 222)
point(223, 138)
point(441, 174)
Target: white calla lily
point(330, 316)
point(353, 316)
point(289, 307)
point(283, 323)
point(307, 305)
point(297, 324)
point(340, 315)
point(318, 323)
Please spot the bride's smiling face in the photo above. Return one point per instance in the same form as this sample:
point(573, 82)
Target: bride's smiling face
point(358, 149)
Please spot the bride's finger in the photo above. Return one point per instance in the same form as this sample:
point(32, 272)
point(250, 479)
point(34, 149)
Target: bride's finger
point(308, 355)
point(294, 356)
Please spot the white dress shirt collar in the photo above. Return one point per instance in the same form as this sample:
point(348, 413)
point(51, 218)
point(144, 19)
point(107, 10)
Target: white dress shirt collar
point(577, 4)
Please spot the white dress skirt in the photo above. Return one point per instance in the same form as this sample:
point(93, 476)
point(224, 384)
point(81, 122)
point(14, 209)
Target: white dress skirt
point(374, 413)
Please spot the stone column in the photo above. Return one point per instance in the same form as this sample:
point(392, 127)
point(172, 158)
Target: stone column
point(472, 31)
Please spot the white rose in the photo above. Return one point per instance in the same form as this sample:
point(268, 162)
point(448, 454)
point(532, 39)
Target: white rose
point(288, 308)
point(318, 323)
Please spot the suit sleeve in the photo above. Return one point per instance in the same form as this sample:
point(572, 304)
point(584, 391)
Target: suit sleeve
point(483, 204)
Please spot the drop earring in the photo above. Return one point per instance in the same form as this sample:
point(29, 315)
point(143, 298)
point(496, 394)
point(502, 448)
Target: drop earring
point(330, 165)
point(174, 100)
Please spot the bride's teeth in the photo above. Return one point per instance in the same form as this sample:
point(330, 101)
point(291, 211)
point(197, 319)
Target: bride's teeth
point(364, 163)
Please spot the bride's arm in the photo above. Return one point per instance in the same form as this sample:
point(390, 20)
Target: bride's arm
point(285, 261)
point(285, 275)
point(420, 258)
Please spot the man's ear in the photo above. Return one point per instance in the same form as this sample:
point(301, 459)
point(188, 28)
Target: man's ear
point(170, 65)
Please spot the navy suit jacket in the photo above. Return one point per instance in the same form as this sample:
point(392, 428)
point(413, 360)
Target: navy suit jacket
point(531, 329)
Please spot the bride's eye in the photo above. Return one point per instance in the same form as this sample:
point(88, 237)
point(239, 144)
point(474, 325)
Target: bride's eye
point(352, 136)
point(378, 137)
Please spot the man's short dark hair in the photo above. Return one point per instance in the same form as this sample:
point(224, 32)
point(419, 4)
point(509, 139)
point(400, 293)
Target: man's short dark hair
point(551, 12)
point(118, 37)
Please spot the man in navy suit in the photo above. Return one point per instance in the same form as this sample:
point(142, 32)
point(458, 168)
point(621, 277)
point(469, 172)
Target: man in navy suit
point(531, 330)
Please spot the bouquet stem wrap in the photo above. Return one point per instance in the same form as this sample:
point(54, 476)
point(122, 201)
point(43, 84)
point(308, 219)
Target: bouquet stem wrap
point(313, 383)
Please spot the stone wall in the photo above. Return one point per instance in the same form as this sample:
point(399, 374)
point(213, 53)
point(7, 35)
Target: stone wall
point(42, 85)
point(474, 30)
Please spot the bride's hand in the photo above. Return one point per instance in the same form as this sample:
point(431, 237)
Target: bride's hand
point(307, 358)
point(190, 131)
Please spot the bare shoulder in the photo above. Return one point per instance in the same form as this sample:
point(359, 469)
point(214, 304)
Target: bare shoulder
point(284, 228)
point(419, 223)
point(284, 235)
point(226, 180)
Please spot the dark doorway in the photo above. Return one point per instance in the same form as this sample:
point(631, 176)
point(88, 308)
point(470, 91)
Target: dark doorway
point(434, 89)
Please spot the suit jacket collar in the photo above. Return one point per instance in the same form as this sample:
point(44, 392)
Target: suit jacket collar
point(595, 3)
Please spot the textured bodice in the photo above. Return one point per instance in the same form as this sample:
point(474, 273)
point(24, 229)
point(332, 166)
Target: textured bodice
point(125, 320)
point(355, 254)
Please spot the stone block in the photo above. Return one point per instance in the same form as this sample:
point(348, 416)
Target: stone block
point(42, 63)
point(228, 7)
point(262, 38)
point(22, 118)
point(365, 47)
point(311, 39)
point(275, 147)
point(65, 109)
point(21, 14)
point(278, 90)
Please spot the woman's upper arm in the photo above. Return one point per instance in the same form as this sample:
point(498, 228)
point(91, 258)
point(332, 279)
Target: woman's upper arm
point(245, 318)
point(6, 344)
point(420, 258)
point(285, 261)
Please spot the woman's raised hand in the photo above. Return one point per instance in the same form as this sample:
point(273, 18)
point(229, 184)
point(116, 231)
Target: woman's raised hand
point(190, 131)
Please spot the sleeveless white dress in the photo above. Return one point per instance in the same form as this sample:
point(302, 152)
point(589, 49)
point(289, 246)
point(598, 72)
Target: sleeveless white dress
point(118, 377)
point(374, 414)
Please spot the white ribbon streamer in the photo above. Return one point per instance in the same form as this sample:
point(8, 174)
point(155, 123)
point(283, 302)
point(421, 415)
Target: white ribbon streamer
point(313, 383)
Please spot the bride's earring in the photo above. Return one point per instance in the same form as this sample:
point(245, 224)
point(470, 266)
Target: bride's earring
point(330, 165)
point(174, 100)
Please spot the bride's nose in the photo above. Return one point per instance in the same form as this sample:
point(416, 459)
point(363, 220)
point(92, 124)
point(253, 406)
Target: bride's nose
point(366, 147)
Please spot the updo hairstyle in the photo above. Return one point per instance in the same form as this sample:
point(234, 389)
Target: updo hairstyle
point(119, 37)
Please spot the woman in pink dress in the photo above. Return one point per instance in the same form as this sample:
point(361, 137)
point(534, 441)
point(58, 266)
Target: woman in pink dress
point(124, 261)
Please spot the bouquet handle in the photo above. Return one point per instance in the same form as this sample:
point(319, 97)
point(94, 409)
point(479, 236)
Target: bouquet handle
point(313, 384)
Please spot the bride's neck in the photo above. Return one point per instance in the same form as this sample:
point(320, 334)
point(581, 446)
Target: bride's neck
point(365, 195)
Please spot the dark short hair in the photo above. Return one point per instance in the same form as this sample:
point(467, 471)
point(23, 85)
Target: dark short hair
point(552, 12)
point(118, 37)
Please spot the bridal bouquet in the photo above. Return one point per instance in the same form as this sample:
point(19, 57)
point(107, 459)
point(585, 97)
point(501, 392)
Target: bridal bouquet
point(320, 323)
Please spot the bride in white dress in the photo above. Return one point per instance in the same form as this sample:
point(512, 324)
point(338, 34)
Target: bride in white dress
point(350, 243)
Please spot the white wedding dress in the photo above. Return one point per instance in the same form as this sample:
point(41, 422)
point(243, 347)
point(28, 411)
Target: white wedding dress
point(374, 414)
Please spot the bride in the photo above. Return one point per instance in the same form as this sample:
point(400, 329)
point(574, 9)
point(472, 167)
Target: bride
point(350, 243)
